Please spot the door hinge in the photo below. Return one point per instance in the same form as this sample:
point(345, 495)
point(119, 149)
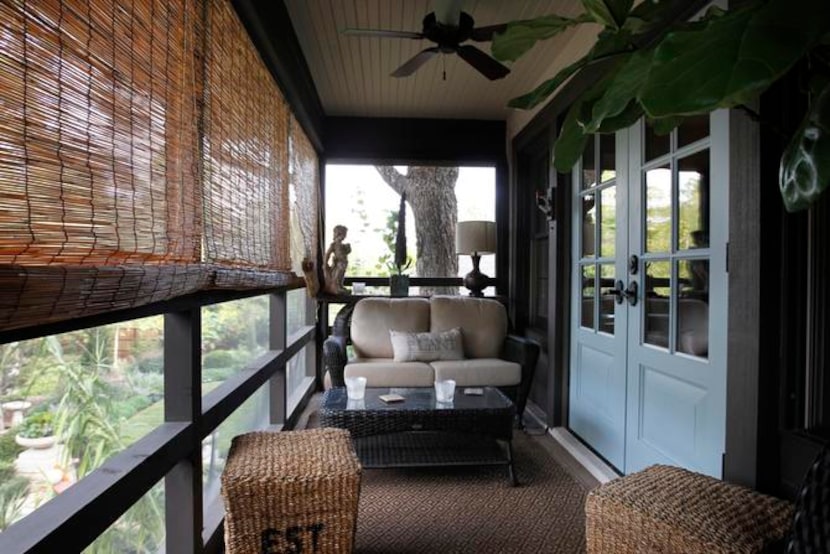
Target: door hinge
point(727, 257)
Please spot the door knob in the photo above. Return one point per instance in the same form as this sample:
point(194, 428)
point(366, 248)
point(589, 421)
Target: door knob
point(621, 293)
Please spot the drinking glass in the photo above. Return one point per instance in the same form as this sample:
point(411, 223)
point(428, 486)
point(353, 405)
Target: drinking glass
point(355, 388)
point(445, 390)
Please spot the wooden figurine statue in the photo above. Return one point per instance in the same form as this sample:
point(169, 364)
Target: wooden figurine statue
point(335, 270)
point(312, 283)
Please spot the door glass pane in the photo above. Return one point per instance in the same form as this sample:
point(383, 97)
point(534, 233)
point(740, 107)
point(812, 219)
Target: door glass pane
point(606, 302)
point(589, 223)
point(607, 158)
point(608, 221)
point(589, 170)
point(657, 300)
point(658, 209)
point(693, 307)
point(656, 145)
point(588, 272)
point(693, 201)
point(693, 129)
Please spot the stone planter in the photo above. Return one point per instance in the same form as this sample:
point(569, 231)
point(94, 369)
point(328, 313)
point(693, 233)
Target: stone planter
point(35, 442)
point(16, 409)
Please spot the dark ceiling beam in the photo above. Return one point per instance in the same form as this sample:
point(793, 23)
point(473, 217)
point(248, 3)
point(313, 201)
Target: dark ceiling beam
point(408, 141)
point(270, 29)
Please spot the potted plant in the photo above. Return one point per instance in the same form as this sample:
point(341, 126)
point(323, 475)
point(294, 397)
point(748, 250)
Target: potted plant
point(398, 282)
point(37, 431)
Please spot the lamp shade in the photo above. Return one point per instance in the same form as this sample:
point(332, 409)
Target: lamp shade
point(475, 237)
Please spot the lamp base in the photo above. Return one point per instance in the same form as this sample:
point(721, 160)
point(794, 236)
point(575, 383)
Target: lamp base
point(475, 280)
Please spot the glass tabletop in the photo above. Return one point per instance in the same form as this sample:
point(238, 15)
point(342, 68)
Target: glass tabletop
point(416, 399)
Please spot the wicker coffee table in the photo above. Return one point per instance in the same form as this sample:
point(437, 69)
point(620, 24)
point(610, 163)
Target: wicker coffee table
point(419, 432)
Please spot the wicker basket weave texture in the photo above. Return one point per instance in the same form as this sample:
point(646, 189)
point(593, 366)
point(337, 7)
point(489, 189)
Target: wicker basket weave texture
point(665, 509)
point(290, 490)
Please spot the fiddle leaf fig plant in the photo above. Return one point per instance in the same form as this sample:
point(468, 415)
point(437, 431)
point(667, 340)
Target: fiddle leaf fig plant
point(668, 71)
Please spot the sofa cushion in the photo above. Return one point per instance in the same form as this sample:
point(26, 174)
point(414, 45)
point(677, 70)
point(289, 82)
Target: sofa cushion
point(483, 323)
point(384, 372)
point(427, 347)
point(479, 372)
point(373, 318)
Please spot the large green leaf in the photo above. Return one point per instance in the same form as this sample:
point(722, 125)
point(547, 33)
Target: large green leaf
point(646, 15)
point(571, 141)
point(572, 137)
point(731, 59)
point(532, 98)
point(520, 36)
point(665, 125)
point(805, 166)
point(625, 119)
point(609, 45)
point(611, 13)
point(621, 90)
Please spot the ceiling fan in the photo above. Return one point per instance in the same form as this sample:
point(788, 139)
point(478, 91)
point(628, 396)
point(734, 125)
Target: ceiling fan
point(447, 27)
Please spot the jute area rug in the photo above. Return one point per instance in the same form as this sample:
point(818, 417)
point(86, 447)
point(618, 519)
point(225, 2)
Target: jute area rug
point(474, 510)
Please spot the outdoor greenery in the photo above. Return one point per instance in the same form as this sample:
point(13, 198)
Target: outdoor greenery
point(100, 390)
point(37, 425)
point(13, 491)
point(669, 71)
point(401, 260)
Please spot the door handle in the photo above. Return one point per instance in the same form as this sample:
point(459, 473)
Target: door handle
point(631, 293)
point(621, 293)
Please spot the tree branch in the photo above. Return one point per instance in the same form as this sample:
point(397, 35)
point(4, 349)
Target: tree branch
point(393, 178)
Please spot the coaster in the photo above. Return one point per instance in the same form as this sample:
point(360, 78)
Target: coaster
point(390, 398)
point(474, 391)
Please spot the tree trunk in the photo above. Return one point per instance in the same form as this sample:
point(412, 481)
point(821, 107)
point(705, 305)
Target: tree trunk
point(431, 193)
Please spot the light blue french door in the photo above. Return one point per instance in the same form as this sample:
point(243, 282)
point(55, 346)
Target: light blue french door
point(648, 341)
point(598, 321)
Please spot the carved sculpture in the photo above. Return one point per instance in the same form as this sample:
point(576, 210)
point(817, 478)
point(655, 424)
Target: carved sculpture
point(310, 274)
point(335, 269)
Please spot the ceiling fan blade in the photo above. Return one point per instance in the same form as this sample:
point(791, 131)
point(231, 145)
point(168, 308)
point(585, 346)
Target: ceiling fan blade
point(485, 34)
point(447, 12)
point(381, 33)
point(415, 62)
point(485, 65)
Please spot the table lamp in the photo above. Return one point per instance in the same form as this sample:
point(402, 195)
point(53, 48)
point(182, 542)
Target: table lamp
point(475, 238)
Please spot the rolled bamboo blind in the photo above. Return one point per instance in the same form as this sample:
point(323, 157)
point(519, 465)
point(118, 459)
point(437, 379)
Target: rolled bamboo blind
point(304, 195)
point(112, 195)
point(245, 152)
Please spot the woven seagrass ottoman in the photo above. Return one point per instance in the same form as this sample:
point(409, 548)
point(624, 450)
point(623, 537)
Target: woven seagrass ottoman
point(665, 509)
point(292, 491)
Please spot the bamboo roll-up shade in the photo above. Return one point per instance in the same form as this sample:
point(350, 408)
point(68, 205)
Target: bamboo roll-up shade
point(245, 148)
point(99, 199)
point(304, 195)
point(34, 295)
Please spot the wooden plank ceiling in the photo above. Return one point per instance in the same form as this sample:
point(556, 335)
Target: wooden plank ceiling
point(352, 73)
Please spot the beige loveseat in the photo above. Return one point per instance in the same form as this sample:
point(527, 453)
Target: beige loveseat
point(490, 356)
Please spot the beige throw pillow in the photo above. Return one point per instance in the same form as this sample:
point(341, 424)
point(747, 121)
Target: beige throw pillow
point(427, 347)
